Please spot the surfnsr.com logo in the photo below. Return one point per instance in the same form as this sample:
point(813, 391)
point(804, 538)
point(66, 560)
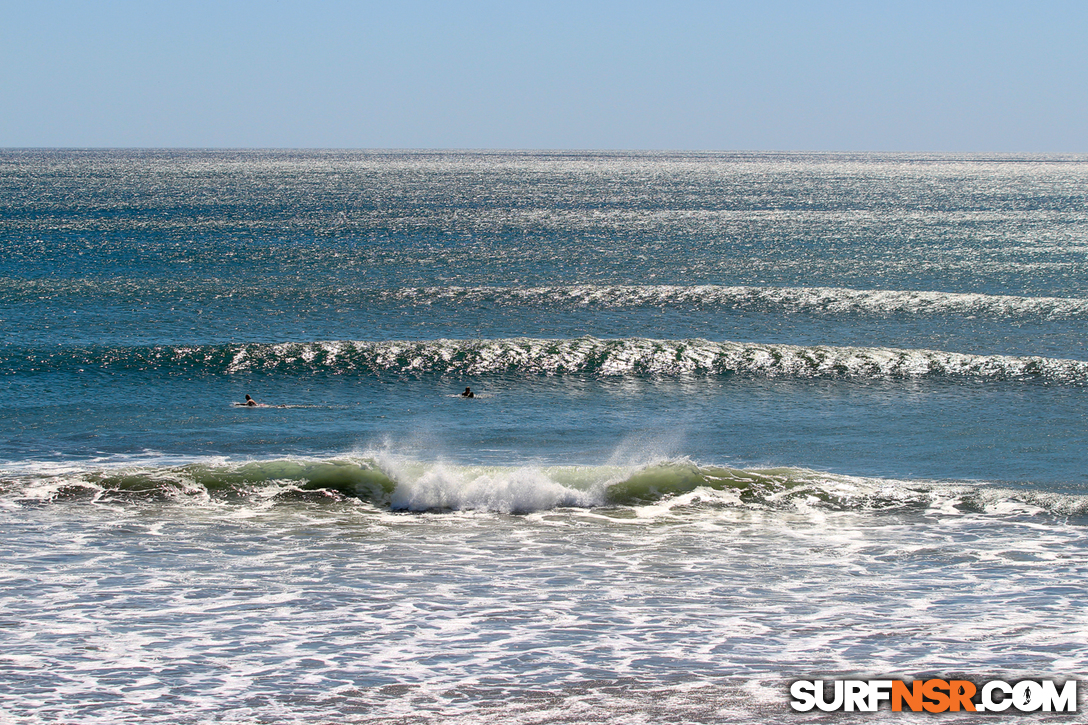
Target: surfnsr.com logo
point(934, 695)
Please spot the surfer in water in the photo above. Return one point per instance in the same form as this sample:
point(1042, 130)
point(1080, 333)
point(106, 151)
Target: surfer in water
point(250, 401)
point(468, 393)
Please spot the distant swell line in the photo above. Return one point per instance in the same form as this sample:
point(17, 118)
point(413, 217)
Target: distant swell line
point(812, 300)
point(530, 356)
point(833, 300)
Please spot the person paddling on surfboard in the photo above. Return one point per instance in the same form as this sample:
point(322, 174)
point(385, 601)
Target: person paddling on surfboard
point(468, 393)
point(250, 401)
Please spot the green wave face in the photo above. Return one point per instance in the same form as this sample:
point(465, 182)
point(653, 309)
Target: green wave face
point(655, 483)
point(356, 479)
point(777, 488)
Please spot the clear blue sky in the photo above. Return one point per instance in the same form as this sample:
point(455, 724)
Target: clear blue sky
point(760, 75)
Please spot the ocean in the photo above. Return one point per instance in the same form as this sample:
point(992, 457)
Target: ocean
point(739, 419)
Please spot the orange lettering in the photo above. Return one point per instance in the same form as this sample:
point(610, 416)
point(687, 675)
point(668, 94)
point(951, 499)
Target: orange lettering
point(961, 692)
point(932, 690)
point(912, 696)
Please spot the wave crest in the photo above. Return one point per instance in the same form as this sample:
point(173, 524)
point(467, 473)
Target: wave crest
point(531, 356)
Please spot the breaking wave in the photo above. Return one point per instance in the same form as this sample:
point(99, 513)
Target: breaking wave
point(532, 356)
point(401, 485)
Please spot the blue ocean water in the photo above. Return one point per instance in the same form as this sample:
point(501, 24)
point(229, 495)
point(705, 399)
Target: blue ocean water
point(739, 419)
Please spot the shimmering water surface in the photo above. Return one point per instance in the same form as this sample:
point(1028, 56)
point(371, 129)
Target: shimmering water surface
point(740, 419)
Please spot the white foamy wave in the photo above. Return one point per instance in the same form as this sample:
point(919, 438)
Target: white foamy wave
point(504, 490)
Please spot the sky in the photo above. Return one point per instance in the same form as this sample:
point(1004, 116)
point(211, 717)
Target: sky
point(921, 76)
